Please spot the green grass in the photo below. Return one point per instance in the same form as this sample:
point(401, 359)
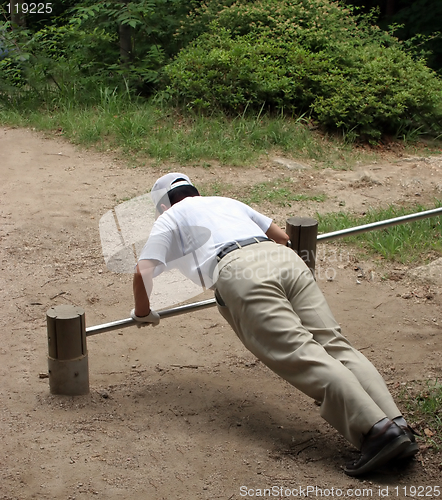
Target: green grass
point(152, 134)
point(405, 243)
point(423, 404)
point(275, 192)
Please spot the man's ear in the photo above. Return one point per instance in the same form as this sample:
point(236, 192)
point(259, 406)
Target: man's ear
point(163, 207)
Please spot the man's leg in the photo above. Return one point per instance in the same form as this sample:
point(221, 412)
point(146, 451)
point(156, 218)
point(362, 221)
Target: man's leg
point(264, 319)
point(310, 305)
point(325, 331)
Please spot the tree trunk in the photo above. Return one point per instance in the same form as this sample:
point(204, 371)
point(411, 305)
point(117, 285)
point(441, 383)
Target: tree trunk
point(125, 43)
point(18, 19)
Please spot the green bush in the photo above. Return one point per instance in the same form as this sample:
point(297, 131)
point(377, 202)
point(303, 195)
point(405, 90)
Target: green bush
point(54, 64)
point(304, 56)
point(56, 61)
point(220, 71)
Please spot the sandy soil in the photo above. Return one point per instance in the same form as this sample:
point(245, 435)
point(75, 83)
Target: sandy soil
point(183, 411)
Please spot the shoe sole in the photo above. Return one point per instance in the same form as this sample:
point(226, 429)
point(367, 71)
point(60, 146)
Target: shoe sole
point(391, 450)
point(409, 452)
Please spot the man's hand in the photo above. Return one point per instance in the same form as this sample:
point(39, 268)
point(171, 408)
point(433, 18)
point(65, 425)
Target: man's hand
point(153, 318)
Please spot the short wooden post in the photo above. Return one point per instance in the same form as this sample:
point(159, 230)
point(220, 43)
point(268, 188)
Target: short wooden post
point(303, 233)
point(68, 358)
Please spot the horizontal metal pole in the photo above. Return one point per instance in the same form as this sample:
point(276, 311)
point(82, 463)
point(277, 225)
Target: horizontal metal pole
point(165, 313)
point(378, 225)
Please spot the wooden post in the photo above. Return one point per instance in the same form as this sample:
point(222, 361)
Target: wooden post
point(68, 359)
point(303, 233)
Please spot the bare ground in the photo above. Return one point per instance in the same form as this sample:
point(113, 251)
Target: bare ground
point(183, 411)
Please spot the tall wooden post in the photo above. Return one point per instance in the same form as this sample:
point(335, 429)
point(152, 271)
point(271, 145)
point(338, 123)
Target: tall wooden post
point(68, 358)
point(303, 233)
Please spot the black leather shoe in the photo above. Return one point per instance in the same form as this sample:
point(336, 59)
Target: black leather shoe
point(413, 447)
point(384, 441)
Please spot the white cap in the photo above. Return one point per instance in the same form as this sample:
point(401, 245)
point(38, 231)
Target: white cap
point(166, 183)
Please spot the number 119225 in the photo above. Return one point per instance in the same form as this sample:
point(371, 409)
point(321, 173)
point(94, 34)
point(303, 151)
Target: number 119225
point(29, 8)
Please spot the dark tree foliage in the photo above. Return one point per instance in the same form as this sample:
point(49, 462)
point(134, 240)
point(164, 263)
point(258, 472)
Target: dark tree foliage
point(419, 24)
point(121, 43)
point(37, 21)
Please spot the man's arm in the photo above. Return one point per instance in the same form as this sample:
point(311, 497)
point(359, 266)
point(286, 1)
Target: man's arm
point(276, 234)
point(142, 286)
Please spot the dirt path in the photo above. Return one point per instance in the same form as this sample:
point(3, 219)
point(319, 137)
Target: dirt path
point(183, 411)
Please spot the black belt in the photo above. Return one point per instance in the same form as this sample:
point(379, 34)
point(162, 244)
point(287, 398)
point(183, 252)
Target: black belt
point(236, 245)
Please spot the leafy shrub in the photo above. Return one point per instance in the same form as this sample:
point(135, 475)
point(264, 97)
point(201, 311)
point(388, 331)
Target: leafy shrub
point(304, 56)
point(148, 41)
point(53, 63)
point(314, 23)
point(106, 44)
point(220, 71)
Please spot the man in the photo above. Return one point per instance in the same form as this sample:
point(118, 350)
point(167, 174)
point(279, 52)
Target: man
point(271, 300)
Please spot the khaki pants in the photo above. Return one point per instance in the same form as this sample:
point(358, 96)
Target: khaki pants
point(271, 300)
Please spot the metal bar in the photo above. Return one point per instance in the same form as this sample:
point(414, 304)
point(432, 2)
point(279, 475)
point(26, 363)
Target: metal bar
point(166, 313)
point(379, 225)
point(175, 311)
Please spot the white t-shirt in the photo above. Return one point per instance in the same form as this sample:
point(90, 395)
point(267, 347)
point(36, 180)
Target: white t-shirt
point(189, 235)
